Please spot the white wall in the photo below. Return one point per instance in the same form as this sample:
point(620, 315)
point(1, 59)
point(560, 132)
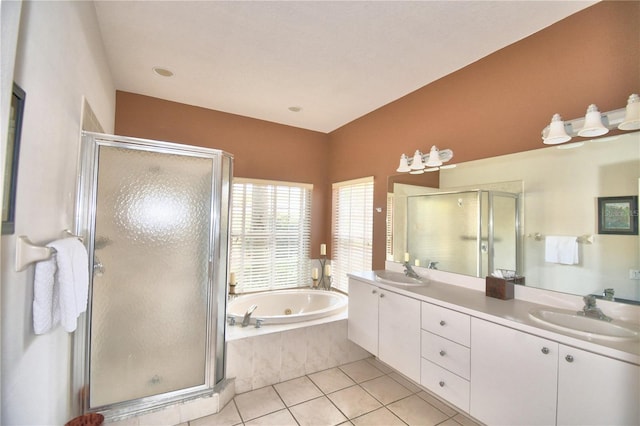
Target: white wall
point(10, 18)
point(59, 60)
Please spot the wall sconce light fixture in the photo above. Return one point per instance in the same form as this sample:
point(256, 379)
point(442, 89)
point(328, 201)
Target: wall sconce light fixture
point(594, 123)
point(430, 162)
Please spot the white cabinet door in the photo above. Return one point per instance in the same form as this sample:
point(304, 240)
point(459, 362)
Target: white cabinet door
point(399, 333)
point(596, 390)
point(362, 325)
point(513, 376)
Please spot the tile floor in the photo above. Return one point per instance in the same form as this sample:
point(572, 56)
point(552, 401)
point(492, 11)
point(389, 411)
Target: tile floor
point(361, 393)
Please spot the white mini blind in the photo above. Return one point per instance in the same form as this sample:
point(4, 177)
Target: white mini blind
point(270, 234)
point(352, 229)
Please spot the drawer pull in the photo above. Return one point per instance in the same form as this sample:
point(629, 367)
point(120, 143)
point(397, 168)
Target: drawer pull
point(545, 350)
point(441, 384)
point(442, 353)
point(381, 294)
point(374, 291)
point(442, 323)
point(569, 358)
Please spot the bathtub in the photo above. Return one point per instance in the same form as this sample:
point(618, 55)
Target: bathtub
point(288, 306)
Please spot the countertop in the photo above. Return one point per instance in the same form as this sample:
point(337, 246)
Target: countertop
point(512, 313)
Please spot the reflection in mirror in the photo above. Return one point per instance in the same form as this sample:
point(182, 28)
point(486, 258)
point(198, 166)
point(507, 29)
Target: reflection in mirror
point(471, 232)
point(560, 190)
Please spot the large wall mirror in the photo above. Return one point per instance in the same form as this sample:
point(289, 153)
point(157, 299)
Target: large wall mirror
point(557, 190)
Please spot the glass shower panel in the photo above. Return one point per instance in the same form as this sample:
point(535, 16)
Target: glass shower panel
point(443, 228)
point(504, 232)
point(151, 274)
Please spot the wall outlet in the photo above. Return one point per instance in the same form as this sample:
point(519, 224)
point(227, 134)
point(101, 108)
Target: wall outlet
point(634, 274)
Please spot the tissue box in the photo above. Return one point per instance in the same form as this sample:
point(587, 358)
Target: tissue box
point(501, 288)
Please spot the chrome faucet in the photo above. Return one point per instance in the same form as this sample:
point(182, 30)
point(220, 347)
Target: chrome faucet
point(247, 315)
point(432, 265)
point(408, 271)
point(608, 293)
point(591, 310)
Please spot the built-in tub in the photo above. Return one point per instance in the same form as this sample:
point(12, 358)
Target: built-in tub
point(287, 306)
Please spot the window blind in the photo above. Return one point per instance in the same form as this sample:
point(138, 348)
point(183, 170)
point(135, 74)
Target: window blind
point(270, 234)
point(389, 234)
point(352, 229)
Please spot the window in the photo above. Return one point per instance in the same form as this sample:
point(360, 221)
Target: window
point(352, 229)
point(270, 234)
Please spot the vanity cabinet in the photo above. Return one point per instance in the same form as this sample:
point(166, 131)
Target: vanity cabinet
point(521, 379)
point(596, 390)
point(513, 376)
point(445, 340)
point(362, 325)
point(386, 324)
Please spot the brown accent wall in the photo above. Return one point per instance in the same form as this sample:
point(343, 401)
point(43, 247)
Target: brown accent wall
point(497, 105)
point(261, 150)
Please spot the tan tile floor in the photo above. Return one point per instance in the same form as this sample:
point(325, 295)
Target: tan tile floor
point(362, 393)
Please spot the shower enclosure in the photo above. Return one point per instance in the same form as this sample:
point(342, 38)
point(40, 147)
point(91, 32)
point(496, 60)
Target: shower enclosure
point(467, 232)
point(155, 220)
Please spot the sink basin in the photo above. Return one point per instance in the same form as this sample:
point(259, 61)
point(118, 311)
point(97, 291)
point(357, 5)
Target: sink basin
point(590, 327)
point(398, 278)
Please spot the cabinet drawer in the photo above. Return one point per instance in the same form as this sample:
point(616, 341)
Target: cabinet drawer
point(450, 355)
point(445, 384)
point(444, 322)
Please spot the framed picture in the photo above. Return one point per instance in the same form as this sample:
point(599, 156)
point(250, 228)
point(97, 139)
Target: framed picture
point(618, 215)
point(11, 165)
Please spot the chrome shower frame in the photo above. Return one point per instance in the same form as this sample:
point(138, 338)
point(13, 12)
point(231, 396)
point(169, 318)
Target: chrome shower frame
point(86, 197)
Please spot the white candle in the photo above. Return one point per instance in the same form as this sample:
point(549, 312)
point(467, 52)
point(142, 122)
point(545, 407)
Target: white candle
point(406, 257)
point(314, 274)
point(327, 270)
point(323, 249)
point(417, 262)
point(232, 278)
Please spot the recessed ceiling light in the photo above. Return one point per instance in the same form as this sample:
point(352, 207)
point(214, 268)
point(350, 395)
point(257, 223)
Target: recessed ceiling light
point(295, 108)
point(163, 72)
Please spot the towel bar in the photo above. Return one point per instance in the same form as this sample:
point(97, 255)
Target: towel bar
point(583, 239)
point(28, 253)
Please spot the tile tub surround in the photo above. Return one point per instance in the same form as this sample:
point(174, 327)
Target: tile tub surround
point(271, 357)
point(360, 393)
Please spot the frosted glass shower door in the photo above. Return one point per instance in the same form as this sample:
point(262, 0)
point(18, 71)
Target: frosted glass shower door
point(443, 228)
point(151, 292)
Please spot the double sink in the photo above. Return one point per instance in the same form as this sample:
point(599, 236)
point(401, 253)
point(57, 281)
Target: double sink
point(568, 321)
point(571, 322)
point(398, 278)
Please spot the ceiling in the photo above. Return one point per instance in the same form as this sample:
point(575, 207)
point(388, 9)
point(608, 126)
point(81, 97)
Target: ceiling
point(337, 61)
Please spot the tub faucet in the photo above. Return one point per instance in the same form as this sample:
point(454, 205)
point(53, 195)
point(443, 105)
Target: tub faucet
point(432, 265)
point(408, 271)
point(247, 315)
point(591, 310)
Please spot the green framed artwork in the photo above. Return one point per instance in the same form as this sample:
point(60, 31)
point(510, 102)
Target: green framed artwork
point(618, 215)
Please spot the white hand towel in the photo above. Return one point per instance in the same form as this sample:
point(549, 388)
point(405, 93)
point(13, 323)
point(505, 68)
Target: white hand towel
point(563, 250)
point(43, 283)
point(61, 287)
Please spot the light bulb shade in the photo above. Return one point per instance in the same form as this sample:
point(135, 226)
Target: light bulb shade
point(417, 163)
point(557, 132)
point(404, 165)
point(434, 158)
point(632, 114)
point(593, 123)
